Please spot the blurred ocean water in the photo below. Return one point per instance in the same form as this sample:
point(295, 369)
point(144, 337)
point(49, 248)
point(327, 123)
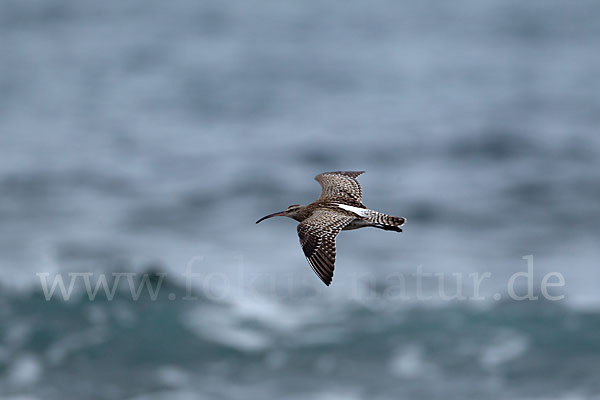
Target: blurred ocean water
point(148, 136)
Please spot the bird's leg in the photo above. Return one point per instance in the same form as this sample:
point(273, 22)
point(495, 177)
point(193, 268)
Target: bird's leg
point(389, 228)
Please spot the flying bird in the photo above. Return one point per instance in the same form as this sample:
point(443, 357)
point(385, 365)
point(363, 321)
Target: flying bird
point(338, 208)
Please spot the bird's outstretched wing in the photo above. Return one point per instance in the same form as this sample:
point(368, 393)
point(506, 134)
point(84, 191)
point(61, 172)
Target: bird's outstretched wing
point(340, 186)
point(317, 237)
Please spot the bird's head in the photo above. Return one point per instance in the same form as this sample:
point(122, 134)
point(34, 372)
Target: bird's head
point(292, 212)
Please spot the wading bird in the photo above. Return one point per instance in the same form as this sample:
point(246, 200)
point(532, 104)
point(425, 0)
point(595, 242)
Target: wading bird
point(338, 208)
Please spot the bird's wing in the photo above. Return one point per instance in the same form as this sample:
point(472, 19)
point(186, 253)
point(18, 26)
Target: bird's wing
point(317, 237)
point(340, 186)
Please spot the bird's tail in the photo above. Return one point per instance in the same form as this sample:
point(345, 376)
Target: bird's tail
point(384, 221)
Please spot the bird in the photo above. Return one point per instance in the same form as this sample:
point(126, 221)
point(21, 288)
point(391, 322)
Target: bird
point(338, 208)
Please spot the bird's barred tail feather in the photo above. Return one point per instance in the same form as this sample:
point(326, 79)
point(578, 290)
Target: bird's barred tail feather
point(384, 221)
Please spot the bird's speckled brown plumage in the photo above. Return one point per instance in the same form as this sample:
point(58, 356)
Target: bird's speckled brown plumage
point(338, 208)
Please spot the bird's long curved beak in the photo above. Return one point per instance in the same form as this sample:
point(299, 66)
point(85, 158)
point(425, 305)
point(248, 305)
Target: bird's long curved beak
point(277, 214)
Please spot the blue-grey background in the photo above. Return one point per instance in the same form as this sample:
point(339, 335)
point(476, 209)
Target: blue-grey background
point(148, 136)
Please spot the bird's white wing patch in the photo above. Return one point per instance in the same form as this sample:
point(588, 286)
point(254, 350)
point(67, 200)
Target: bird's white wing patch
point(361, 212)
